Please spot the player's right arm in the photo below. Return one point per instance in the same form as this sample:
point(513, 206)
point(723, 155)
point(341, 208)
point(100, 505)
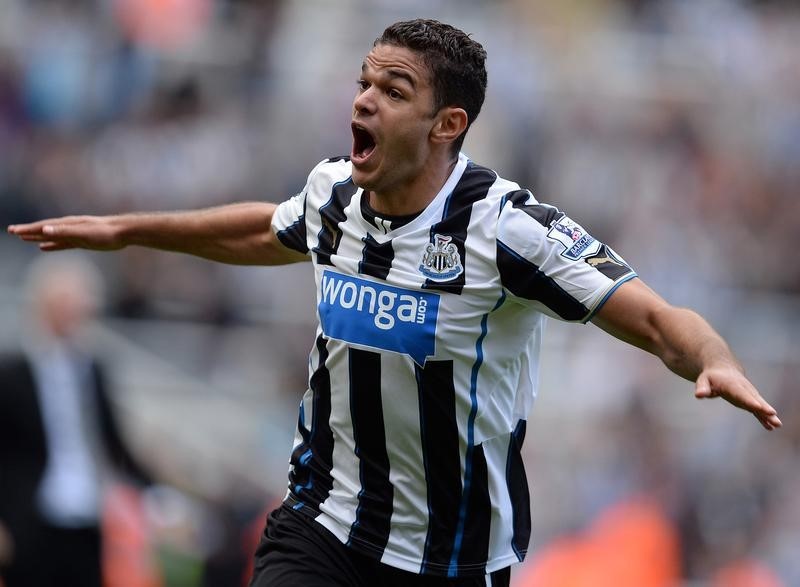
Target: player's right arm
point(239, 234)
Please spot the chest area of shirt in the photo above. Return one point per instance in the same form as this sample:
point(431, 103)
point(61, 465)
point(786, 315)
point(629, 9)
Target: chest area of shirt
point(444, 257)
point(399, 315)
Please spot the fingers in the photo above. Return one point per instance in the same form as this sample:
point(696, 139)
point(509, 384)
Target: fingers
point(23, 230)
point(702, 387)
point(58, 234)
point(765, 413)
point(50, 246)
point(768, 416)
point(737, 390)
point(47, 226)
point(58, 230)
point(31, 228)
point(43, 231)
point(95, 233)
point(33, 238)
point(769, 422)
point(39, 232)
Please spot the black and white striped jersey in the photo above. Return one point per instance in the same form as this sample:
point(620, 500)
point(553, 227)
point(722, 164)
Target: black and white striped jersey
point(425, 362)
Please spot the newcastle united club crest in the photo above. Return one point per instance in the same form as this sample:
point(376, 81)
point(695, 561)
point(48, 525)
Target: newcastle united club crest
point(441, 261)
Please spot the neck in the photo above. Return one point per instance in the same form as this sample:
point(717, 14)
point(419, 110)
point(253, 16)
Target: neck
point(414, 196)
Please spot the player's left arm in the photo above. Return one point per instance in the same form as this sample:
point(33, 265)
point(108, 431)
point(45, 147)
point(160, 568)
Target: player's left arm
point(686, 343)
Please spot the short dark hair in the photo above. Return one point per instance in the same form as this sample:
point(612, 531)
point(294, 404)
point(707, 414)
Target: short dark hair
point(457, 63)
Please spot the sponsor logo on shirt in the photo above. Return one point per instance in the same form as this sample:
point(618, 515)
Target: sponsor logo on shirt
point(378, 315)
point(577, 242)
point(441, 261)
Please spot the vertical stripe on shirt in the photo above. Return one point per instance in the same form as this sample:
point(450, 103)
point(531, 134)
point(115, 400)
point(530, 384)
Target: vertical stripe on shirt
point(445, 460)
point(474, 465)
point(473, 547)
point(331, 216)
point(518, 493)
point(374, 511)
point(310, 480)
point(376, 258)
point(501, 578)
point(473, 187)
point(442, 459)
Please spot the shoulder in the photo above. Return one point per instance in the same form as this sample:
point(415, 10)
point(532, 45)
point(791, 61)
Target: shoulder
point(495, 198)
point(489, 185)
point(324, 177)
point(330, 171)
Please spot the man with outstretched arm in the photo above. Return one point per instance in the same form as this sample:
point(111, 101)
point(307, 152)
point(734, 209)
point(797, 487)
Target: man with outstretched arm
point(433, 278)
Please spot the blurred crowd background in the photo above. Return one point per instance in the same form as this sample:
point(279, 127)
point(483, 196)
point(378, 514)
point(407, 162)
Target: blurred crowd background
point(669, 128)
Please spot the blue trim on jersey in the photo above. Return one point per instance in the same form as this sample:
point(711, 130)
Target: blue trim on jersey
point(503, 201)
point(303, 460)
point(311, 431)
point(473, 396)
point(608, 295)
point(306, 456)
point(299, 488)
point(301, 426)
point(296, 223)
point(515, 254)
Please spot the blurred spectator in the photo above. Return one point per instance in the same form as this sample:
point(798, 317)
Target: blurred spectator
point(128, 555)
point(746, 573)
point(631, 544)
point(673, 125)
point(58, 435)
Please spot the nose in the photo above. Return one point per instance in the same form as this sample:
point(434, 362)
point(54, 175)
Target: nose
point(364, 102)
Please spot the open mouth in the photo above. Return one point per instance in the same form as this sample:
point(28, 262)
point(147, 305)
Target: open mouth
point(363, 144)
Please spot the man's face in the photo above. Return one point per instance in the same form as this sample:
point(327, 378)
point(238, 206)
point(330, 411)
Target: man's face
point(65, 304)
point(392, 119)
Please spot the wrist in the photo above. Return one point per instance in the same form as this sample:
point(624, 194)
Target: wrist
point(119, 230)
point(723, 364)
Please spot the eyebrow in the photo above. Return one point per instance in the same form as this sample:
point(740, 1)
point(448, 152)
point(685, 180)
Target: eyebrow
point(394, 74)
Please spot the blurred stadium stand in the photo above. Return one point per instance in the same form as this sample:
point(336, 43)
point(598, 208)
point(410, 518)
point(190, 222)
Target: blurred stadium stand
point(671, 128)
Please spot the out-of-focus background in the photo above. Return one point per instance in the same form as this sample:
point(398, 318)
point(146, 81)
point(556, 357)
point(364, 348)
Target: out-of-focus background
point(669, 128)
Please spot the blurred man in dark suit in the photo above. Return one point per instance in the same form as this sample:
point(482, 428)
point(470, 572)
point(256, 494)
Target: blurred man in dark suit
point(58, 436)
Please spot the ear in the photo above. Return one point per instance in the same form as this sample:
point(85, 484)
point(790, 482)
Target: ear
point(450, 123)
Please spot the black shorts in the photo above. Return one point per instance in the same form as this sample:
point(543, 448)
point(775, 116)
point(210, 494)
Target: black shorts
point(295, 550)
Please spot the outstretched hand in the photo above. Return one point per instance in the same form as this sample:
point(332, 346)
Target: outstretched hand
point(97, 233)
point(730, 384)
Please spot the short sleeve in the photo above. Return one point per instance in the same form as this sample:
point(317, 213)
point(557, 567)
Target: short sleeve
point(289, 222)
point(550, 262)
point(289, 218)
